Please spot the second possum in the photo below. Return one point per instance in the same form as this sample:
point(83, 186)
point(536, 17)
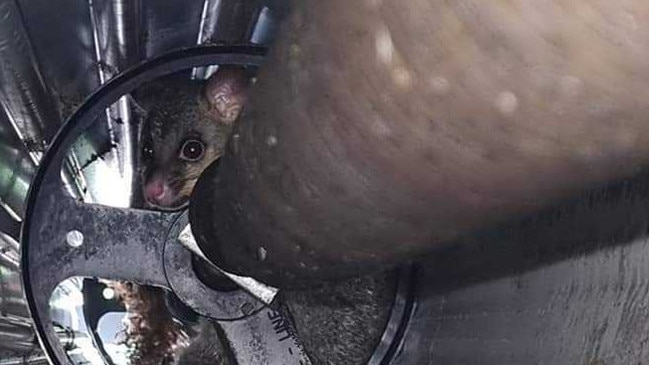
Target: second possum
point(186, 128)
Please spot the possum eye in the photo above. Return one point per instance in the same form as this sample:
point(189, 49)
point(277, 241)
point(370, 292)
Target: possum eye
point(192, 150)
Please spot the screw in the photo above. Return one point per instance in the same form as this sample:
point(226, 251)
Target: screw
point(74, 238)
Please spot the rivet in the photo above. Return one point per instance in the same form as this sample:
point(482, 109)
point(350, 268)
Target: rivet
point(74, 238)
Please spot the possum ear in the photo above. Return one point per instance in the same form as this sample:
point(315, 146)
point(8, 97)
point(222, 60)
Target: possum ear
point(225, 92)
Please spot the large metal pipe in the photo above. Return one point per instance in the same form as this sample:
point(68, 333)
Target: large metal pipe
point(379, 130)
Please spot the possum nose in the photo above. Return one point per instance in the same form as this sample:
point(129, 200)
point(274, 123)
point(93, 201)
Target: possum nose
point(156, 191)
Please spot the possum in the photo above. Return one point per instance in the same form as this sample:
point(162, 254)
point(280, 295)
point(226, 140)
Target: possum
point(186, 128)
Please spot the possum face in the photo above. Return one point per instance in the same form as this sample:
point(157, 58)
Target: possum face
point(185, 130)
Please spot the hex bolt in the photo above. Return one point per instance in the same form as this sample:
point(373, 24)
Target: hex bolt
point(74, 238)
